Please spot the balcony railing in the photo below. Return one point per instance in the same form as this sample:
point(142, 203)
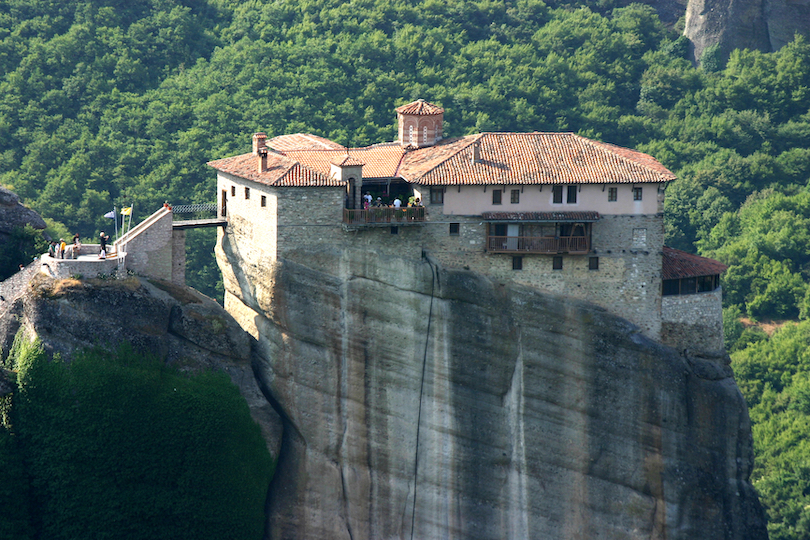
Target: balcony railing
point(384, 216)
point(538, 244)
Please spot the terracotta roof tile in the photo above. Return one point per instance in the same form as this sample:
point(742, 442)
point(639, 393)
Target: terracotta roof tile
point(302, 141)
point(420, 107)
point(530, 158)
point(379, 160)
point(541, 216)
point(679, 264)
point(347, 161)
point(281, 171)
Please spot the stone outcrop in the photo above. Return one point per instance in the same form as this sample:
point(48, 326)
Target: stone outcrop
point(172, 322)
point(420, 402)
point(13, 214)
point(745, 24)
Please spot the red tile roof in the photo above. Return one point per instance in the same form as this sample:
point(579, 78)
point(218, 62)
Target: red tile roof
point(379, 160)
point(541, 216)
point(530, 158)
point(281, 171)
point(503, 159)
point(679, 264)
point(302, 141)
point(347, 161)
point(420, 107)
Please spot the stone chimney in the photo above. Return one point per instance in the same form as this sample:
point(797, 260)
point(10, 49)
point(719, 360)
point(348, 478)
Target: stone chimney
point(420, 124)
point(262, 158)
point(259, 142)
point(476, 148)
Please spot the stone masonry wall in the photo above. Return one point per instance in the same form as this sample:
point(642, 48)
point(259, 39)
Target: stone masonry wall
point(693, 321)
point(627, 282)
point(149, 246)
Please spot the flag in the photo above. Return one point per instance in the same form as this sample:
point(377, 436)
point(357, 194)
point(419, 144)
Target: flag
point(126, 211)
point(110, 215)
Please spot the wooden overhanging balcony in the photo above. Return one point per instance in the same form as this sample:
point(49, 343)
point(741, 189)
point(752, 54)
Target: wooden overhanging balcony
point(548, 233)
point(384, 216)
point(574, 245)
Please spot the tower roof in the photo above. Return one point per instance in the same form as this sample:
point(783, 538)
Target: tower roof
point(420, 107)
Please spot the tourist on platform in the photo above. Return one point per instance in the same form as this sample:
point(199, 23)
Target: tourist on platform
point(397, 203)
point(103, 239)
point(52, 249)
point(77, 246)
point(62, 248)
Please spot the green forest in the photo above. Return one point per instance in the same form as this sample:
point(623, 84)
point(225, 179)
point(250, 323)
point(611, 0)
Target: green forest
point(106, 103)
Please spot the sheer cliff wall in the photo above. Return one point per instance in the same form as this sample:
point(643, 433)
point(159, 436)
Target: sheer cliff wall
point(424, 402)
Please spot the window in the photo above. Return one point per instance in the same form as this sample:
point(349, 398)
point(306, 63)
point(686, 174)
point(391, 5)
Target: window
point(436, 195)
point(517, 263)
point(233, 191)
point(593, 263)
point(557, 194)
point(496, 196)
point(639, 238)
point(636, 193)
point(515, 196)
point(613, 194)
point(410, 135)
point(671, 287)
point(572, 195)
point(264, 201)
point(424, 135)
point(454, 229)
point(394, 230)
point(247, 193)
point(556, 263)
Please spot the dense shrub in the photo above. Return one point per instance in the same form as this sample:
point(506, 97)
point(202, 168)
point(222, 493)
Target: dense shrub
point(120, 446)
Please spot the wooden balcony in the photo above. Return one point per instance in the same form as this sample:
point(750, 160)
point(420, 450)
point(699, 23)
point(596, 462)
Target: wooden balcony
point(384, 216)
point(575, 245)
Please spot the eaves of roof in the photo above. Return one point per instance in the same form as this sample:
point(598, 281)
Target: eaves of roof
point(679, 264)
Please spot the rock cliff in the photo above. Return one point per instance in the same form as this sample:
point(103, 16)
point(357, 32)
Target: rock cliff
point(175, 323)
point(421, 402)
point(765, 25)
point(13, 214)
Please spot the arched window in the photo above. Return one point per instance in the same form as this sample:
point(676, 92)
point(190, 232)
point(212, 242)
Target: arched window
point(410, 135)
point(424, 135)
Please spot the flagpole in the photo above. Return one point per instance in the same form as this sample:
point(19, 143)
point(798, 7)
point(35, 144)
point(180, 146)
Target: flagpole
point(115, 220)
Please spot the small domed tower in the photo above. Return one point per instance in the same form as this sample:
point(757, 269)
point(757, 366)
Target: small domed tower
point(420, 124)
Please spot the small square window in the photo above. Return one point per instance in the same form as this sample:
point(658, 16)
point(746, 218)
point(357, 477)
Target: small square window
point(515, 196)
point(264, 201)
point(517, 263)
point(233, 191)
point(613, 194)
point(557, 194)
point(556, 263)
point(436, 195)
point(636, 193)
point(572, 195)
point(593, 263)
point(247, 193)
point(394, 230)
point(454, 229)
point(496, 196)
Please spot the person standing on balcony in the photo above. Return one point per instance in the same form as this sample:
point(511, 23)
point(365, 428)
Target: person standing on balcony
point(397, 203)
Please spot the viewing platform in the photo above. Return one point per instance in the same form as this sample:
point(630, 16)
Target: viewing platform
point(384, 216)
point(86, 264)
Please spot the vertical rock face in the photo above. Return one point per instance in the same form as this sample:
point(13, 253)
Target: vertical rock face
point(425, 403)
point(745, 24)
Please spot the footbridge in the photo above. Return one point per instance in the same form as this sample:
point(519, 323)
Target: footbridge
point(197, 222)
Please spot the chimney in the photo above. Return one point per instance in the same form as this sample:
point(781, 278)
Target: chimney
point(476, 152)
point(259, 142)
point(262, 159)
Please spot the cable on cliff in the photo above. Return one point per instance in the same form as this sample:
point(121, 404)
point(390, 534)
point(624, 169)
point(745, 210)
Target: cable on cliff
point(434, 276)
